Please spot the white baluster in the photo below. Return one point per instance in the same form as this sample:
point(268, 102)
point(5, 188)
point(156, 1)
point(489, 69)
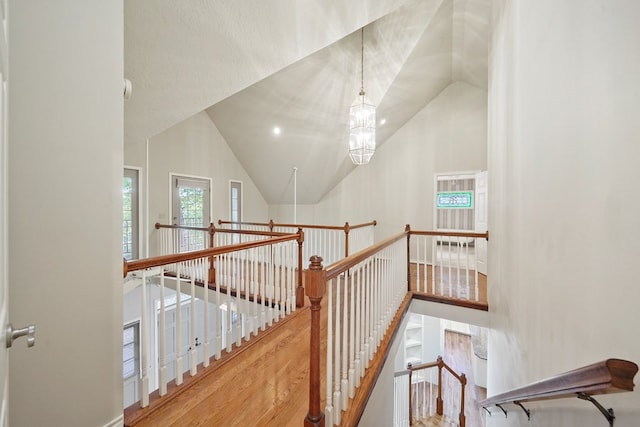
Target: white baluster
point(218, 313)
point(358, 317)
point(426, 267)
point(162, 388)
point(178, 328)
point(329, 364)
point(193, 362)
point(336, 370)
point(204, 263)
point(344, 389)
point(144, 346)
point(352, 335)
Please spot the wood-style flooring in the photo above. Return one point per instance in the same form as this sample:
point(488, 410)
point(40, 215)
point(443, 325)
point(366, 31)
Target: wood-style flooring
point(265, 384)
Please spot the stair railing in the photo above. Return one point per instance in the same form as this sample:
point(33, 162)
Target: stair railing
point(331, 242)
point(440, 364)
point(362, 295)
point(605, 377)
point(255, 286)
point(444, 266)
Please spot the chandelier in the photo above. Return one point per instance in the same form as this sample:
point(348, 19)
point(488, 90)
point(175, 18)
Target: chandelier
point(362, 121)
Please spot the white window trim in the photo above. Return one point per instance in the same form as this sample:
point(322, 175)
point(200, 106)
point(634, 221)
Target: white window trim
point(241, 198)
point(142, 243)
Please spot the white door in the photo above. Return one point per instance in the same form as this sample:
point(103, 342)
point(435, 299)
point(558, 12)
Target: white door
point(481, 219)
point(4, 294)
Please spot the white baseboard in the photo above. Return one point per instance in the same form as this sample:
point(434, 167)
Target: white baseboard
point(117, 422)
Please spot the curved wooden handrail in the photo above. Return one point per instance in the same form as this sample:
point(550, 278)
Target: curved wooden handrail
point(141, 264)
point(608, 376)
point(339, 267)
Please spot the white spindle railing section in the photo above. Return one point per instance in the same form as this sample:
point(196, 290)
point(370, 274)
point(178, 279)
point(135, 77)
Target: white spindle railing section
point(401, 399)
point(361, 305)
point(254, 287)
point(445, 265)
point(332, 243)
point(180, 239)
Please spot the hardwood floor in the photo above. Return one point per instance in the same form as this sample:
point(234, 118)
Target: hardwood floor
point(265, 384)
point(449, 278)
point(458, 354)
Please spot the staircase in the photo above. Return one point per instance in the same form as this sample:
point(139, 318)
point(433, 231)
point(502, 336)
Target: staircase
point(435, 421)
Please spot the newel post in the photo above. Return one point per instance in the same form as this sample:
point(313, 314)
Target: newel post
point(439, 409)
point(463, 383)
point(316, 286)
point(347, 229)
point(300, 288)
point(407, 229)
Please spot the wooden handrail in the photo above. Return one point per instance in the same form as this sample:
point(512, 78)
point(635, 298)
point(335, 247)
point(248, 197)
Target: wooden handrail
point(180, 227)
point(607, 376)
point(339, 267)
point(211, 229)
point(323, 227)
point(471, 234)
point(142, 264)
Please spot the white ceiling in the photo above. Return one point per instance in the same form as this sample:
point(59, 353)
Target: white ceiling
point(253, 67)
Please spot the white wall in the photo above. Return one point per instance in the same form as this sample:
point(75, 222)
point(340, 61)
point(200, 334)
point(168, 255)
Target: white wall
point(195, 147)
point(396, 188)
point(65, 211)
point(563, 155)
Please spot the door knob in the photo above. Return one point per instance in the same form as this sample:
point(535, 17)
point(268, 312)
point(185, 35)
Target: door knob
point(13, 334)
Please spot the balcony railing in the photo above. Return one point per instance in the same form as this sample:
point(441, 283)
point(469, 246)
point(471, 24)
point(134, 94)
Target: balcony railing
point(330, 242)
point(255, 286)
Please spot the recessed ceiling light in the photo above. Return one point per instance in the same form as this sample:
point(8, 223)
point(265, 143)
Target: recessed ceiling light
point(383, 121)
point(276, 130)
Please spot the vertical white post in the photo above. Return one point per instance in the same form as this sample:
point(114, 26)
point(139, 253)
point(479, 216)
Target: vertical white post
point(352, 332)
point(329, 371)
point(144, 342)
point(193, 362)
point(178, 328)
point(344, 389)
point(336, 369)
point(358, 317)
point(218, 324)
point(207, 339)
point(162, 388)
point(145, 219)
point(426, 266)
point(295, 195)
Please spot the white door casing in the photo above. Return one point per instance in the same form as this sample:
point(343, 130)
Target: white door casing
point(4, 275)
point(481, 219)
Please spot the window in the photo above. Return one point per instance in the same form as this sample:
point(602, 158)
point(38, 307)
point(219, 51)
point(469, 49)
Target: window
point(235, 191)
point(455, 202)
point(130, 214)
point(191, 207)
point(131, 350)
point(235, 207)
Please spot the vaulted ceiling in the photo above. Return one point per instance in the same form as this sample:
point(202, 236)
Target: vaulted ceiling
point(254, 65)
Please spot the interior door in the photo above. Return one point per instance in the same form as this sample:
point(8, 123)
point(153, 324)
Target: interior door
point(481, 219)
point(4, 294)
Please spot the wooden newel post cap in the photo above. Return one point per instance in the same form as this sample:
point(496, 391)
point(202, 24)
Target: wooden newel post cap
point(315, 263)
point(315, 283)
